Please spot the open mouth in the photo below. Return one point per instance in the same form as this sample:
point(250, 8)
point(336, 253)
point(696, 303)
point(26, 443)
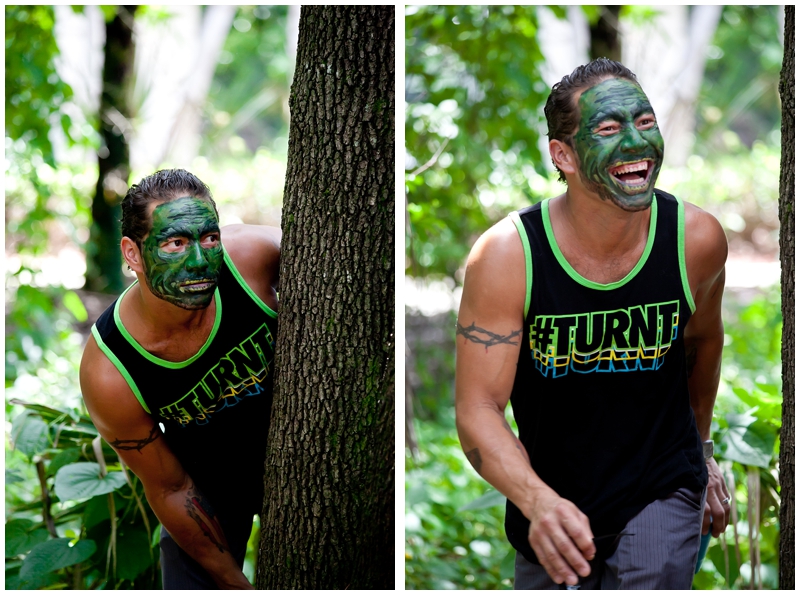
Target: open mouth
point(197, 286)
point(634, 176)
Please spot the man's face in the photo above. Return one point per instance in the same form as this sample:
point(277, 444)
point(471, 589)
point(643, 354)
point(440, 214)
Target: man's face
point(618, 144)
point(182, 253)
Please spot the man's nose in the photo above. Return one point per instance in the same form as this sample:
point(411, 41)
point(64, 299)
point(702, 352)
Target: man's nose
point(197, 258)
point(633, 140)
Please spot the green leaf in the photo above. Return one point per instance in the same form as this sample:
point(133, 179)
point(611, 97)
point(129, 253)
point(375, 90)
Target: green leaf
point(13, 477)
point(489, 499)
point(717, 556)
point(74, 304)
point(133, 552)
point(508, 564)
point(97, 510)
point(53, 555)
point(64, 457)
point(78, 481)
point(752, 445)
point(20, 538)
point(31, 435)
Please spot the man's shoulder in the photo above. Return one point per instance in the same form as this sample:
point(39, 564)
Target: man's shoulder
point(705, 244)
point(245, 243)
point(103, 386)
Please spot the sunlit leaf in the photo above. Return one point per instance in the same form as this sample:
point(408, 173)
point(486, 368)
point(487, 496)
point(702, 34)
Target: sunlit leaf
point(31, 435)
point(489, 499)
point(78, 481)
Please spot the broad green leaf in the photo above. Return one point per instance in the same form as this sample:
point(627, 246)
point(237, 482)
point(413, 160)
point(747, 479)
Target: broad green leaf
point(133, 552)
point(489, 499)
point(20, 538)
point(508, 564)
point(97, 510)
point(63, 457)
point(78, 481)
point(53, 555)
point(716, 555)
point(32, 437)
point(752, 445)
point(13, 477)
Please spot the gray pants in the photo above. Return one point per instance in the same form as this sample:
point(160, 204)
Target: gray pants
point(179, 571)
point(661, 553)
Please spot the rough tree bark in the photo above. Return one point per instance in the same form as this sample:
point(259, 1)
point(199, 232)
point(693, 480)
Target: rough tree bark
point(104, 261)
point(786, 216)
point(328, 517)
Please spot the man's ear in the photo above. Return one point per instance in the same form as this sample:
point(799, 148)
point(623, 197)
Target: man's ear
point(563, 156)
point(132, 255)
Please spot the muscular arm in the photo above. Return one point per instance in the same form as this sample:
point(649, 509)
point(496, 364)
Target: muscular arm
point(488, 337)
point(182, 509)
point(706, 252)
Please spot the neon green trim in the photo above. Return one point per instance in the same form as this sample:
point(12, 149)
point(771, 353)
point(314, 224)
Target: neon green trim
point(526, 248)
point(118, 364)
point(682, 255)
point(551, 238)
point(246, 287)
point(158, 360)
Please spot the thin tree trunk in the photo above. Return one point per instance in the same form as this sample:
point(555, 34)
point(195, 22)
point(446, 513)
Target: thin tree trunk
point(328, 518)
point(104, 261)
point(786, 216)
point(604, 35)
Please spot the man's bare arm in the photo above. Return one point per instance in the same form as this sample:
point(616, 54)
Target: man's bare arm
point(488, 339)
point(706, 252)
point(182, 509)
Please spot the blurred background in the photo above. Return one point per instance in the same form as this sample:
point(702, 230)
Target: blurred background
point(476, 148)
point(98, 97)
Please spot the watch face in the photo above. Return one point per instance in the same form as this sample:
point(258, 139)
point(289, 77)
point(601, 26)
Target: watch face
point(708, 449)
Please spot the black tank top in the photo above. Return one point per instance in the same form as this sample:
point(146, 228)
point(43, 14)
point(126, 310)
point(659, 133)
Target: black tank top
point(215, 406)
point(601, 394)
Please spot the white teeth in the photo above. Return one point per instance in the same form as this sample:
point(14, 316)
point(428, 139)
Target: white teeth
point(630, 168)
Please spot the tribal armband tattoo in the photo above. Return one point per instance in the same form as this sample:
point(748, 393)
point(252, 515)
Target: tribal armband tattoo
point(137, 445)
point(480, 335)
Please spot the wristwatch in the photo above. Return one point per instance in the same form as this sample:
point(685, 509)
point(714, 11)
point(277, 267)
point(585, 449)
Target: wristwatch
point(708, 449)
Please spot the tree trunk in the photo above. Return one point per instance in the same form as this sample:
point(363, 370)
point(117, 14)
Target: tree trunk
point(786, 216)
point(328, 517)
point(104, 261)
point(604, 35)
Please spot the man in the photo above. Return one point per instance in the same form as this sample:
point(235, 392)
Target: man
point(177, 375)
point(598, 314)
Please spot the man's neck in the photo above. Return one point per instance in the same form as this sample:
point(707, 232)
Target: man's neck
point(587, 223)
point(158, 319)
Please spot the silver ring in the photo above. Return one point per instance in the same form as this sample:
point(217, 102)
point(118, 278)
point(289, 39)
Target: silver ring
point(726, 500)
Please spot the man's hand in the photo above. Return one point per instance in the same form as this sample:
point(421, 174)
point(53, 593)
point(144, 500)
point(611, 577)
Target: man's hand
point(561, 537)
point(716, 506)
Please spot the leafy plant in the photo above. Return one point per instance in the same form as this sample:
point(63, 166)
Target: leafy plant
point(86, 525)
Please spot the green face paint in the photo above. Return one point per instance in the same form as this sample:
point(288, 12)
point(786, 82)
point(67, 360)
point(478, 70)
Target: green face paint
point(182, 253)
point(618, 144)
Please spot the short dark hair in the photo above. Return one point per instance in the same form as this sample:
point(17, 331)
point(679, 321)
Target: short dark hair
point(561, 109)
point(164, 185)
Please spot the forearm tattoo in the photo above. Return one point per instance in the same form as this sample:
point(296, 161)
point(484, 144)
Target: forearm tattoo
point(137, 445)
point(480, 335)
point(200, 510)
point(691, 360)
point(474, 457)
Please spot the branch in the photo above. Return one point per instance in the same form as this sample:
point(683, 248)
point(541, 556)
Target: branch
point(432, 160)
